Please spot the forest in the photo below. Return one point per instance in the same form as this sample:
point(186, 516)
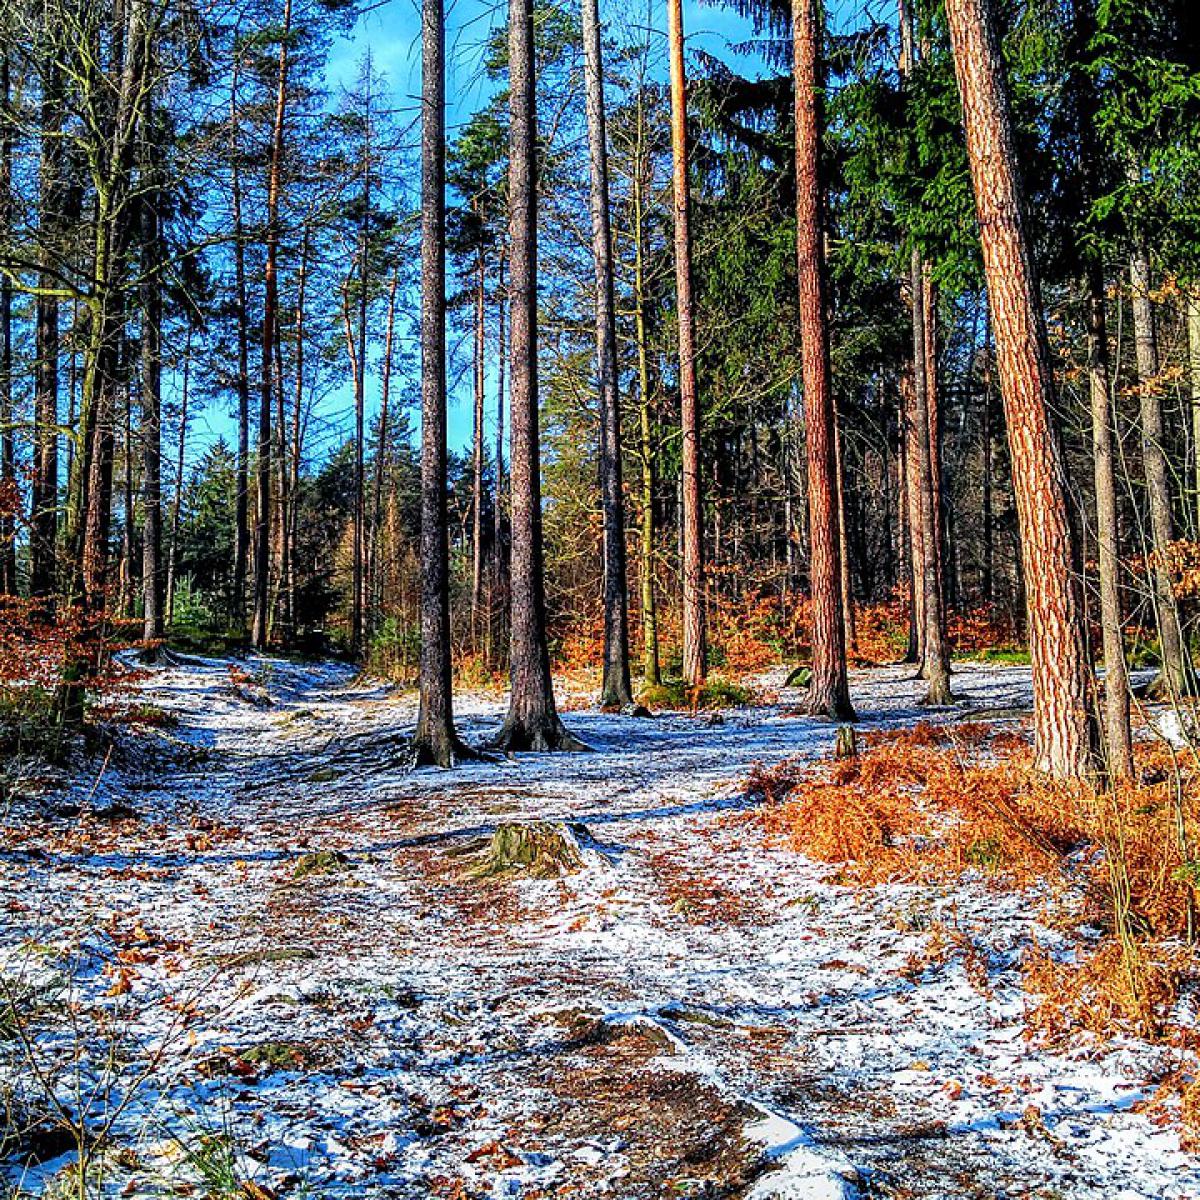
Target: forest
point(600, 600)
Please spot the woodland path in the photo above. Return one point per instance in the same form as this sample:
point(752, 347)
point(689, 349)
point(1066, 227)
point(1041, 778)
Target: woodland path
point(695, 1014)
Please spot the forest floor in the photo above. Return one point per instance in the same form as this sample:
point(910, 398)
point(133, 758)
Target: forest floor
point(253, 950)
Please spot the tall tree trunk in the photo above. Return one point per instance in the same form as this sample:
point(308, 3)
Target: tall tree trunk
point(651, 671)
point(915, 526)
point(615, 688)
point(988, 570)
point(289, 458)
point(241, 517)
point(1117, 736)
point(829, 693)
point(435, 741)
point(356, 608)
point(112, 164)
point(905, 480)
point(936, 662)
point(532, 722)
point(9, 492)
point(477, 458)
point(1117, 740)
point(925, 512)
point(1063, 731)
point(270, 328)
point(177, 500)
point(152, 575)
point(497, 593)
point(43, 540)
point(1193, 331)
point(1177, 674)
point(847, 583)
point(695, 650)
point(381, 447)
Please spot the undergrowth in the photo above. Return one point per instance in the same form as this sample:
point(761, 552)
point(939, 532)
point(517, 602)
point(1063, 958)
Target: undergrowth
point(940, 804)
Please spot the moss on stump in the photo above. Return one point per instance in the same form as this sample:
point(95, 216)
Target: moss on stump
point(542, 849)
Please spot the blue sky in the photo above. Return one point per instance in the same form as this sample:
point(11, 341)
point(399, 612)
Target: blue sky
point(391, 34)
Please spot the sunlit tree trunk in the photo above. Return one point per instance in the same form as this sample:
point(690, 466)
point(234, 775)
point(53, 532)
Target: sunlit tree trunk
point(360, 376)
point(270, 330)
point(477, 459)
point(986, 518)
point(936, 662)
point(1117, 741)
point(1063, 732)
point(615, 688)
point(1193, 328)
point(152, 573)
point(177, 500)
point(695, 653)
point(532, 722)
point(435, 741)
point(829, 693)
point(382, 450)
point(847, 583)
point(241, 513)
point(498, 588)
point(1117, 736)
point(1176, 668)
point(651, 671)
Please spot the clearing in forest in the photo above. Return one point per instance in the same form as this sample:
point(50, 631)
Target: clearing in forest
point(256, 956)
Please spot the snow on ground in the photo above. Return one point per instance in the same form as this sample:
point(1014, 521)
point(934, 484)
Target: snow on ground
point(694, 1014)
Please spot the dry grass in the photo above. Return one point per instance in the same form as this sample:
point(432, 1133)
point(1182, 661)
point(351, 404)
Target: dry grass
point(936, 804)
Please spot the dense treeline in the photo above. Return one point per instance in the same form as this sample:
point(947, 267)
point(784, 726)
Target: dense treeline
point(912, 312)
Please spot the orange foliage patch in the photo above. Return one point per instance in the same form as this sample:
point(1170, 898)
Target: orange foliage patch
point(935, 803)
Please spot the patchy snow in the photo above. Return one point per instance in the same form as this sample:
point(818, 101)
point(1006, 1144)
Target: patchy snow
point(282, 969)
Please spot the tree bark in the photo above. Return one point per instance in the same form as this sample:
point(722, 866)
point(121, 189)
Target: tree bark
point(1063, 731)
point(1193, 330)
point(177, 501)
point(382, 451)
point(477, 459)
point(360, 376)
point(260, 631)
point(112, 165)
point(43, 539)
point(1177, 674)
point(152, 574)
point(695, 650)
point(1117, 741)
point(988, 568)
point(615, 689)
point(936, 663)
point(651, 670)
point(1117, 736)
point(532, 722)
point(241, 518)
point(9, 492)
point(435, 741)
point(829, 694)
point(844, 575)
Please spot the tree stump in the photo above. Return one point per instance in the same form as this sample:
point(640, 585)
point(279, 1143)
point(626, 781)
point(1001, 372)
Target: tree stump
point(542, 849)
point(846, 745)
